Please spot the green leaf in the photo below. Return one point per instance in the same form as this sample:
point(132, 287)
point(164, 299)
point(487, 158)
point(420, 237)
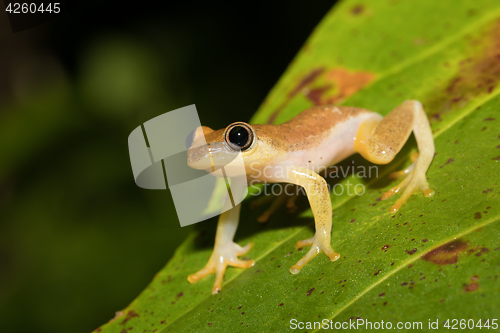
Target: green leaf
point(436, 258)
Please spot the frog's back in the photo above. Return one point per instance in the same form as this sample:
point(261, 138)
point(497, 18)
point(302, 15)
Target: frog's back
point(311, 127)
point(319, 119)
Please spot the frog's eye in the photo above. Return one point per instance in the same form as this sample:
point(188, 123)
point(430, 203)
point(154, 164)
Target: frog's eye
point(239, 136)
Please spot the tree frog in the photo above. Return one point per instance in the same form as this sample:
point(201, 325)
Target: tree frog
point(292, 152)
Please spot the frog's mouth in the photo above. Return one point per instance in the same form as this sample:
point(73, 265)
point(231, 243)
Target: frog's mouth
point(211, 157)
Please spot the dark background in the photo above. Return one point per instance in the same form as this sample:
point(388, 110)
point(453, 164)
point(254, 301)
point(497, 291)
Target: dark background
point(78, 239)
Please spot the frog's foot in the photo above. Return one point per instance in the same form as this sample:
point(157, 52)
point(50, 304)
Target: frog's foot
point(219, 260)
point(399, 174)
point(291, 206)
point(259, 201)
point(414, 180)
point(277, 203)
point(318, 246)
point(305, 242)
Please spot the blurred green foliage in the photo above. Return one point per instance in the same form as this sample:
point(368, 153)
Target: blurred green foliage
point(78, 239)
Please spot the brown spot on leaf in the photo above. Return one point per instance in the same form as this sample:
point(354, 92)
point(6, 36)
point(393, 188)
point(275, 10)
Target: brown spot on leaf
point(309, 292)
point(436, 117)
point(358, 9)
point(307, 80)
point(446, 254)
point(477, 215)
point(381, 295)
point(411, 252)
point(473, 286)
point(489, 119)
point(315, 94)
point(496, 158)
point(117, 315)
point(477, 74)
point(488, 190)
point(131, 314)
point(474, 278)
point(385, 247)
point(447, 162)
point(347, 83)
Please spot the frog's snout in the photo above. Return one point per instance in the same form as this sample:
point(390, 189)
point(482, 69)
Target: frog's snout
point(199, 157)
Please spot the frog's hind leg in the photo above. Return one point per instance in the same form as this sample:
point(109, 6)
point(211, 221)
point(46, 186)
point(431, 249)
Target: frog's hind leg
point(380, 140)
point(275, 204)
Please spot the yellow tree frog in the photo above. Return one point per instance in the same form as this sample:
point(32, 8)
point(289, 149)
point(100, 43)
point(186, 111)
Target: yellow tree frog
point(315, 139)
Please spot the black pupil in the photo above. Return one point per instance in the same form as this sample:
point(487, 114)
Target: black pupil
point(238, 136)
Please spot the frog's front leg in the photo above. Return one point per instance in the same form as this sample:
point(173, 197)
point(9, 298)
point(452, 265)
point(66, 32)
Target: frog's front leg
point(321, 205)
point(380, 140)
point(225, 252)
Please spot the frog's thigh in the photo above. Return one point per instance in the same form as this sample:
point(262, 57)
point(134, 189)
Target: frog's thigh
point(380, 140)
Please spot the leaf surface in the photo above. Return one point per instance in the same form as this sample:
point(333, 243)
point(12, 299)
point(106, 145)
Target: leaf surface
point(437, 258)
